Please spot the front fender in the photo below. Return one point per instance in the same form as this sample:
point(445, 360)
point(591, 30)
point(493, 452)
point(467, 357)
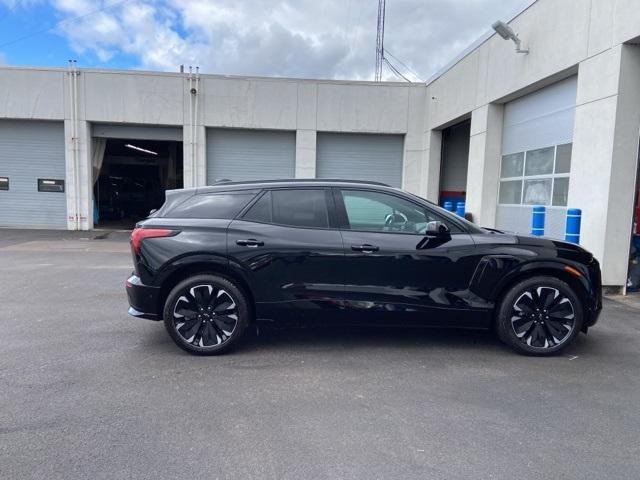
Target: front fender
point(495, 272)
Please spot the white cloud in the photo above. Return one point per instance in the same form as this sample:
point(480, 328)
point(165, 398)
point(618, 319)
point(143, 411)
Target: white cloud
point(305, 38)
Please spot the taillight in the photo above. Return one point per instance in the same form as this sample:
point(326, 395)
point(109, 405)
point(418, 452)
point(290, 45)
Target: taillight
point(139, 234)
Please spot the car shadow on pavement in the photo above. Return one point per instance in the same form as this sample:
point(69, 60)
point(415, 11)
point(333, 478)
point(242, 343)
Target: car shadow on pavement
point(367, 339)
point(269, 339)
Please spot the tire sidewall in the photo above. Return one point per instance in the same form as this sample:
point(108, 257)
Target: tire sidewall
point(238, 296)
point(503, 321)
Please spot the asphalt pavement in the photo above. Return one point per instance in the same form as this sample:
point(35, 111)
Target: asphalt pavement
point(88, 392)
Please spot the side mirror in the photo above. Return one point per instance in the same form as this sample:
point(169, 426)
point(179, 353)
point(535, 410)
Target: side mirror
point(437, 228)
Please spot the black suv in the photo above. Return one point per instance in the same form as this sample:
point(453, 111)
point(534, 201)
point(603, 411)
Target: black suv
point(214, 260)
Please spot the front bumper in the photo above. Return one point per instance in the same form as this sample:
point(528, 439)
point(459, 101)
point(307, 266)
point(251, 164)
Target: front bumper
point(594, 307)
point(143, 299)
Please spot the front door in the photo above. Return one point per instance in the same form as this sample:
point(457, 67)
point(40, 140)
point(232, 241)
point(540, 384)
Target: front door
point(394, 272)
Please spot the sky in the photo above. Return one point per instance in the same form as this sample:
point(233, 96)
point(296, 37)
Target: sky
point(332, 39)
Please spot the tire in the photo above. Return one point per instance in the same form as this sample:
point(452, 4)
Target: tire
point(539, 316)
point(203, 322)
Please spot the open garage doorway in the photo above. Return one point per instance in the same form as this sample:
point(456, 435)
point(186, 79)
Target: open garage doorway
point(454, 163)
point(131, 177)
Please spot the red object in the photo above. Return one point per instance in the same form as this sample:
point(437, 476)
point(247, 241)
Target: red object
point(452, 193)
point(139, 234)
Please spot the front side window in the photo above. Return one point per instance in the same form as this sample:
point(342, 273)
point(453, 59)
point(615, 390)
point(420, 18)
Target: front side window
point(536, 177)
point(296, 208)
point(380, 212)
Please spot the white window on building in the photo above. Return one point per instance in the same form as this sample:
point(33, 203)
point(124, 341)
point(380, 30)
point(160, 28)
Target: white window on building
point(536, 177)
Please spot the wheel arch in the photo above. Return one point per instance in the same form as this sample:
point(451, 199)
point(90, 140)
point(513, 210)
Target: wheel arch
point(495, 274)
point(549, 269)
point(202, 266)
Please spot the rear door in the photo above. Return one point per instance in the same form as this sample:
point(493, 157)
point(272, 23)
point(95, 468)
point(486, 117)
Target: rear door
point(392, 267)
point(289, 244)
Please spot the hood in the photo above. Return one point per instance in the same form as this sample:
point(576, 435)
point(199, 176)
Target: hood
point(565, 249)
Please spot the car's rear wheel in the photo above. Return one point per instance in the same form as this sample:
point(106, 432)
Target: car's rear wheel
point(539, 316)
point(206, 314)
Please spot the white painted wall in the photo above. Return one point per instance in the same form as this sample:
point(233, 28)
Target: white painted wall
point(565, 38)
point(154, 99)
point(605, 154)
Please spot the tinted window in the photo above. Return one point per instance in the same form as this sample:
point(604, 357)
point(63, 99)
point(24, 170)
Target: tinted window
point(297, 208)
point(261, 210)
point(218, 205)
point(379, 212)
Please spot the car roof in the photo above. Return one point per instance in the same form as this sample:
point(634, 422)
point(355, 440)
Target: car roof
point(297, 182)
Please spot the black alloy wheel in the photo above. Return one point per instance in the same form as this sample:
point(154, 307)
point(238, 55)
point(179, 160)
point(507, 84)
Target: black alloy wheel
point(539, 316)
point(206, 314)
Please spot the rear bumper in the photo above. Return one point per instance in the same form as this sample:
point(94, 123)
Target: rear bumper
point(143, 299)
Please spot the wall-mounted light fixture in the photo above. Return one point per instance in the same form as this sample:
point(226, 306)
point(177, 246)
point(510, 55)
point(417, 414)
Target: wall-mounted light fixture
point(506, 32)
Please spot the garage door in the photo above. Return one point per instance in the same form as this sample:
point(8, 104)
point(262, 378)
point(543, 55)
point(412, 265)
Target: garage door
point(31, 150)
point(535, 168)
point(352, 156)
point(237, 155)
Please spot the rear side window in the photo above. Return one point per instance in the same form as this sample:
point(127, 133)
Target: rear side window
point(217, 205)
point(296, 208)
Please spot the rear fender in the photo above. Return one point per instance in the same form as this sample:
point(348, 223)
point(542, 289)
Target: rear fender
point(186, 261)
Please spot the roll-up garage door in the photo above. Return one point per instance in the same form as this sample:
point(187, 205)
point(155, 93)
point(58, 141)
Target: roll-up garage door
point(352, 156)
point(239, 154)
point(535, 168)
point(32, 155)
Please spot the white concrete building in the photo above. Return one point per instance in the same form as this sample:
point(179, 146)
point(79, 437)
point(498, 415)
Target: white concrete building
point(501, 130)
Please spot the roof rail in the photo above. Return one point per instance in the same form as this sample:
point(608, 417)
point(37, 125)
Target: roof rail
point(298, 180)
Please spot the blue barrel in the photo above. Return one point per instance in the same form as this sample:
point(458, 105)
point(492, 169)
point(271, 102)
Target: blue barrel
point(96, 213)
point(574, 216)
point(448, 206)
point(537, 220)
point(460, 209)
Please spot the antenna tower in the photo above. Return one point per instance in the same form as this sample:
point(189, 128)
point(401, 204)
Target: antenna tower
point(380, 41)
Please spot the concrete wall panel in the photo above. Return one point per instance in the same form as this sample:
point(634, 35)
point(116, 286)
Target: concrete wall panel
point(625, 21)
point(455, 95)
point(133, 98)
point(32, 94)
point(307, 105)
point(362, 108)
point(249, 103)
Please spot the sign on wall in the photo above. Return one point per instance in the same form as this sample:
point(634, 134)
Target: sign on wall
point(50, 185)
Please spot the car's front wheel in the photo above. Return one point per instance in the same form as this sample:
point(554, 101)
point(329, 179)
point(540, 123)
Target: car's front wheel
point(539, 316)
point(206, 314)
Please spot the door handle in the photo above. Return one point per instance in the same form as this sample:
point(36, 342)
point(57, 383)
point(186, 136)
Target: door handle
point(366, 248)
point(250, 242)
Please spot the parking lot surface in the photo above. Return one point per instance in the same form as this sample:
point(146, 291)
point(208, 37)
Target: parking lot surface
point(88, 392)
